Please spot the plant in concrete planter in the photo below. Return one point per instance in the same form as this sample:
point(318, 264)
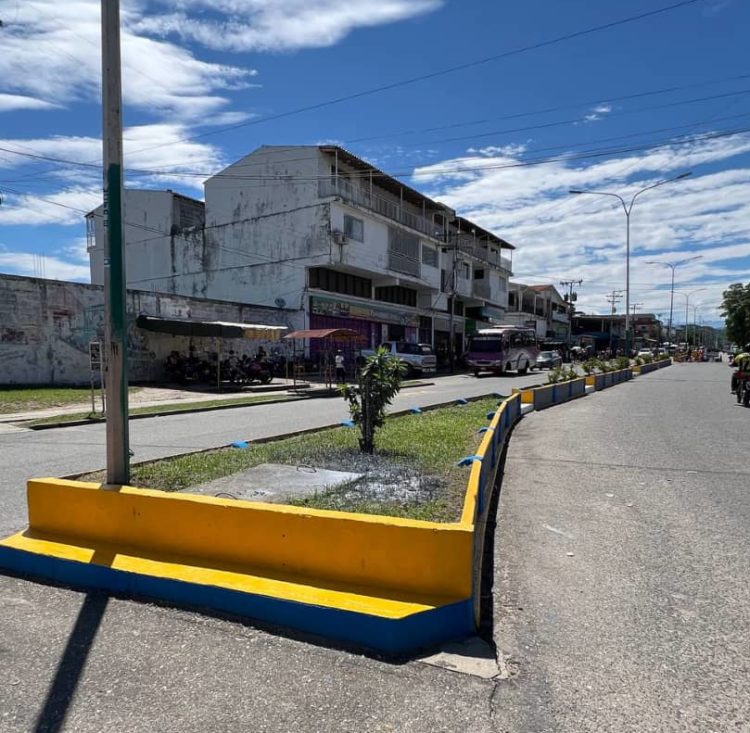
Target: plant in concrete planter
point(590, 366)
point(561, 374)
point(622, 362)
point(378, 382)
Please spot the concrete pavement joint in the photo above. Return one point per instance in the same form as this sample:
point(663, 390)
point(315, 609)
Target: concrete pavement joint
point(629, 466)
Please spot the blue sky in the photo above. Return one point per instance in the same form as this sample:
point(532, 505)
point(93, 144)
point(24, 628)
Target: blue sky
point(196, 67)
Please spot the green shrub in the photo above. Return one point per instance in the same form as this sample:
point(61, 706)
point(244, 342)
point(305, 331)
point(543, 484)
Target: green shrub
point(590, 366)
point(562, 374)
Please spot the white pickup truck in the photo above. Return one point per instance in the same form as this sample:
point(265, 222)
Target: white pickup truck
point(419, 358)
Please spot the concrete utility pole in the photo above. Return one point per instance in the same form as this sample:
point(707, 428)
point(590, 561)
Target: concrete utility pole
point(613, 298)
point(452, 313)
point(571, 309)
point(115, 339)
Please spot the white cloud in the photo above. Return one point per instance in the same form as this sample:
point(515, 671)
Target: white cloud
point(77, 251)
point(63, 207)
point(276, 25)
point(161, 147)
point(12, 102)
point(51, 51)
point(561, 236)
point(27, 263)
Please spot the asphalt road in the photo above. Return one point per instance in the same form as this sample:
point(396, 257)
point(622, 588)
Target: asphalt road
point(623, 559)
point(621, 603)
point(66, 451)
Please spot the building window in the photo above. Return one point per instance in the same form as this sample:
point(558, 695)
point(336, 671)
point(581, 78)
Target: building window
point(429, 256)
point(479, 274)
point(322, 278)
point(403, 252)
point(467, 271)
point(354, 228)
point(398, 295)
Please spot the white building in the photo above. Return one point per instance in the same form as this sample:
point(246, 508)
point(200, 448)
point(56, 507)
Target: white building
point(318, 230)
point(541, 307)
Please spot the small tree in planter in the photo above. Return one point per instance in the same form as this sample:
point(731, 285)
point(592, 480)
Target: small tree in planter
point(378, 382)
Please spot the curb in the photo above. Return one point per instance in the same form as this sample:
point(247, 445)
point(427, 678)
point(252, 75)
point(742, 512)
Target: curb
point(167, 413)
point(273, 438)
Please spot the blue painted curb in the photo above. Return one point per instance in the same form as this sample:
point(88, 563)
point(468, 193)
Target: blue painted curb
point(391, 636)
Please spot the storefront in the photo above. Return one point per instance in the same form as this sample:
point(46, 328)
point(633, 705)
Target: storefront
point(375, 322)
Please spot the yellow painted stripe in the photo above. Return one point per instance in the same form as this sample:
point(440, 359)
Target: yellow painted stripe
point(356, 599)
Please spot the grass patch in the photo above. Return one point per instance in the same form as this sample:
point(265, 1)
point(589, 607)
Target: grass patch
point(39, 398)
point(413, 473)
point(170, 408)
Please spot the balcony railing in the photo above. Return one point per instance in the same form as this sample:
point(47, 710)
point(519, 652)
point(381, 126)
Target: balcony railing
point(357, 194)
point(481, 252)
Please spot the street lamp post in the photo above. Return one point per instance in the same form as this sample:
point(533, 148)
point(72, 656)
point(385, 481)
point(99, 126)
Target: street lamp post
point(628, 208)
point(673, 266)
point(687, 303)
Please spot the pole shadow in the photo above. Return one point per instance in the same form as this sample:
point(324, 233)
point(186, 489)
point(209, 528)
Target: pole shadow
point(63, 687)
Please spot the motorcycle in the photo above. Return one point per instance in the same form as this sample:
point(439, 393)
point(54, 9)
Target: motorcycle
point(743, 389)
point(255, 371)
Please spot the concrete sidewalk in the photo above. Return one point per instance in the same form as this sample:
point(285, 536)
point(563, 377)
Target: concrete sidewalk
point(154, 397)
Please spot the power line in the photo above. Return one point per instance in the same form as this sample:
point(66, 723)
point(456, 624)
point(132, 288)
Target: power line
point(594, 153)
point(442, 72)
point(547, 110)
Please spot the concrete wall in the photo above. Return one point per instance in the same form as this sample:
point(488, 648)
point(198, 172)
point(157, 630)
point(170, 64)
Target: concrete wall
point(159, 243)
point(46, 327)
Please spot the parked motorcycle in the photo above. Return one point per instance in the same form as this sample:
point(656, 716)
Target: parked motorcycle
point(254, 370)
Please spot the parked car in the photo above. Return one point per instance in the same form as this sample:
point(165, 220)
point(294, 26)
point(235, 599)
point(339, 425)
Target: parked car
point(645, 352)
point(548, 360)
point(419, 358)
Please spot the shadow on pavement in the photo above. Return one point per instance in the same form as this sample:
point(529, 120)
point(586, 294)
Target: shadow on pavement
point(487, 605)
point(62, 690)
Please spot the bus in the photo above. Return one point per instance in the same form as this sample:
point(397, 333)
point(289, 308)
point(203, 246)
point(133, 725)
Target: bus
point(502, 349)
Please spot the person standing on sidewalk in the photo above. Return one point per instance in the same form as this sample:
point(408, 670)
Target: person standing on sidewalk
point(340, 367)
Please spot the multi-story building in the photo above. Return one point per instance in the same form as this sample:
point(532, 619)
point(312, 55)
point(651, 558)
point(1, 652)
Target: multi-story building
point(321, 231)
point(540, 307)
point(163, 233)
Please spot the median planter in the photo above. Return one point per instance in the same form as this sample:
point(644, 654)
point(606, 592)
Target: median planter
point(387, 583)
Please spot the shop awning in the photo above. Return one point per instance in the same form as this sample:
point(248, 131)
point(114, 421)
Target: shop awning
point(334, 334)
point(210, 329)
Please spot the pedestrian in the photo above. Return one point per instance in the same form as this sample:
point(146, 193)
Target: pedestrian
point(340, 367)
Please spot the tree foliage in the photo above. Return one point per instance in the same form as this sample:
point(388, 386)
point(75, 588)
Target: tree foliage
point(735, 307)
point(379, 381)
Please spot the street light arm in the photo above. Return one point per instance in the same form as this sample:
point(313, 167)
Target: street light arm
point(601, 193)
point(655, 185)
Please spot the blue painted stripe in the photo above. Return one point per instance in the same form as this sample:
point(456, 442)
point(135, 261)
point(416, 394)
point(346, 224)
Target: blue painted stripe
point(392, 636)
